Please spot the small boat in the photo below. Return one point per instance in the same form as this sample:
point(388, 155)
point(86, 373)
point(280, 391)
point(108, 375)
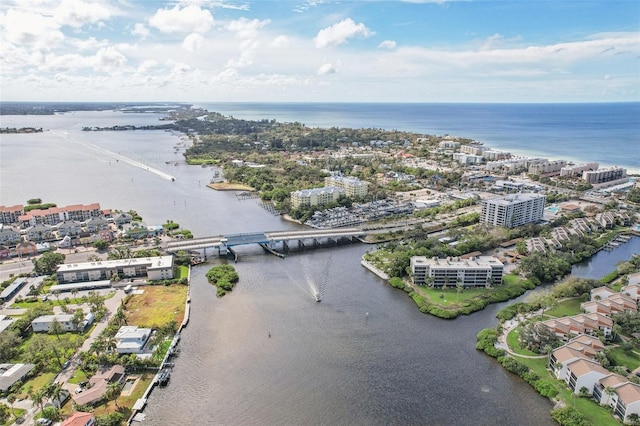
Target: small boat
point(163, 377)
point(317, 296)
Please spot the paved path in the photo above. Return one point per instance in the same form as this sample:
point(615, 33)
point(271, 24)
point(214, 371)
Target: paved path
point(507, 327)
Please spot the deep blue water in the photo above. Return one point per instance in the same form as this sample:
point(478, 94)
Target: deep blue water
point(608, 133)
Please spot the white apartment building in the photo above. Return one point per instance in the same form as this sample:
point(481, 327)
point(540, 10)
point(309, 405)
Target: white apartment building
point(495, 155)
point(468, 158)
point(608, 174)
point(353, 187)
point(449, 144)
point(472, 149)
point(577, 170)
point(513, 210)
point(473, 272)
point(315, 196)
point(154, 268)
point(547, 167)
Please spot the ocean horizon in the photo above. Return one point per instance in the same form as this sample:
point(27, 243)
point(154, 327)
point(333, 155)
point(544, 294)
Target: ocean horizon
point(608, 133)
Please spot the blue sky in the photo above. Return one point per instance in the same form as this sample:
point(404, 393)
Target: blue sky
point(320, 51)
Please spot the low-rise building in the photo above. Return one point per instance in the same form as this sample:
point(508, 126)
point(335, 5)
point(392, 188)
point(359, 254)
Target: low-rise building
point(154, 268)
point(584, 374)
point(131, 339)
point(80, 419)
point(473, 272)
point(11, 373)
point(353, 187)
point(99, 384)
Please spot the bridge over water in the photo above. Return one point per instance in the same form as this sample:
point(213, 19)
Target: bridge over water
point(268, 240)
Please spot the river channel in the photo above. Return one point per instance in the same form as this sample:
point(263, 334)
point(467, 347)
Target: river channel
point(268, 353)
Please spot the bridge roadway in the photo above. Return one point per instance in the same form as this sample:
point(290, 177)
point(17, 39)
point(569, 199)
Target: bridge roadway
point(270, 238)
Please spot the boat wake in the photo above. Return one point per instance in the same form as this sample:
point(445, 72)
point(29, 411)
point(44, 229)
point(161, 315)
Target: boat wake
point(116, 156)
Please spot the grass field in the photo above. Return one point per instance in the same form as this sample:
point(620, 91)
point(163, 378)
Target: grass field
point(182, 272)
point(630, 360)
point(157, 306)
point(36, 383)
point(565, 308)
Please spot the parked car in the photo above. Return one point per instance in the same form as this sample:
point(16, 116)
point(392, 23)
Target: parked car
point(66, 364)
point(44, 422)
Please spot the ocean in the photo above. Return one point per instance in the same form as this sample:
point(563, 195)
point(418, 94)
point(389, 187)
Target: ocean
point(608, 133)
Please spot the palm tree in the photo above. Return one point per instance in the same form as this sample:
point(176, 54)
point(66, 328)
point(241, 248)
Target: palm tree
point(55, 392)
point(113, 392)
point(459, 288)
point(56, 328)
point(11, 398)
point(38, 397)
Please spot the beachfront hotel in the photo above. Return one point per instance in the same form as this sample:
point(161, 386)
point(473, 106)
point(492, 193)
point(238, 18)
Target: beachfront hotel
point(513, 210)
point(609, 174)
point(473, 272)
point(154, 268)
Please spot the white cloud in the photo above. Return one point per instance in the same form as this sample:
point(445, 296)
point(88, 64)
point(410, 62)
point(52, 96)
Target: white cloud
point(77, 13)
point(193, 42)
point(339, 33)
point(326, 69)
point(87, 44)
point(27, 28)
point(279, 42)
point(246, 28)
point(388, 44)
point(107, 59)
point(245, 59)
point(188, 19)
point(140, 30)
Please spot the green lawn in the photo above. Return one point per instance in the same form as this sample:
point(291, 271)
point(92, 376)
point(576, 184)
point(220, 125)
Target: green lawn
point(182, 272)
point(630, 360)
point(451, 295)
point(36, 383)
point(17, 412)
point(78, 376)
point(565, 308)
point(514, 344)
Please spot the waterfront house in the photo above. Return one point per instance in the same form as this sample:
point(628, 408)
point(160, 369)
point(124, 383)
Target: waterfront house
point(131, 339)
point(99, 384)
point(40, 232)
point(583, 374)
point(122, 219)
point(601, 293)
point(632, 290)
point(560, 357)
point(626, 401)
point(10, 214)
point(605, 388)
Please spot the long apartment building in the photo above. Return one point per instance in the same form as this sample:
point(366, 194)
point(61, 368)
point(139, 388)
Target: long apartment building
point(578, 170)
point(608, 174)
point(473, 272)
point(550, 167)
point(353, 187)
point(315, 196)
point(154, 268)
point(10, 214)
point(55, 215)
point(513, 210)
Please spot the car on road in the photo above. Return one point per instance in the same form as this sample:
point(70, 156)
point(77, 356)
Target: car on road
point(44, 422)
point(66, 364)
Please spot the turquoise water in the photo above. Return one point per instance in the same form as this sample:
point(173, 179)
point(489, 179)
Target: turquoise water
point(553, 209)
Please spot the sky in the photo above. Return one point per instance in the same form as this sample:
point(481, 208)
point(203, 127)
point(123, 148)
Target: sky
point(320, 51)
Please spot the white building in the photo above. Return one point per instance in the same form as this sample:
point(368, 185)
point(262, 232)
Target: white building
point(154, 268)
point(131, 339)
point(472, 149)
point(600, 176)
point(315, 196)
point(577, 170)
point(463, 158)
point(479, 271)
point(44, 322)
point(513, 210)
point(549, 167)
point(353, 187)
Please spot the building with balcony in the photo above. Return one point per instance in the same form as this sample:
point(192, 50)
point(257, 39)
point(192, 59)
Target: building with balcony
point(315, 196)
point(513, 210)
point(473, 272)
point(353, 187)
point(152, 268)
